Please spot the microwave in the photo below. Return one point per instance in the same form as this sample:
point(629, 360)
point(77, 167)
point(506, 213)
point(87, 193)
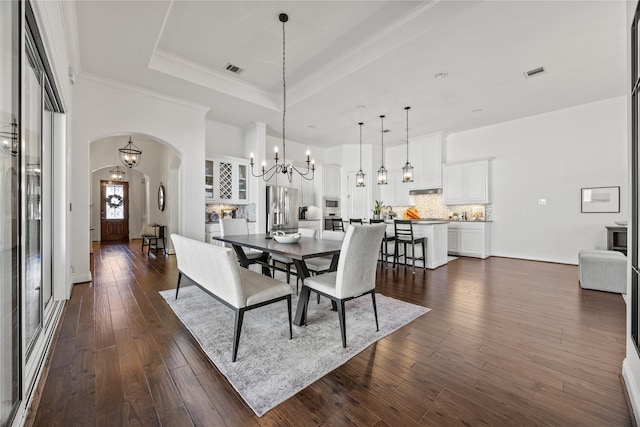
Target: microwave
point(332, 203)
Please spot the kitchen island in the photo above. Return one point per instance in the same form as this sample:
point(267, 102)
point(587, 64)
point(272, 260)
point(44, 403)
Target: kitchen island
point(436, 236)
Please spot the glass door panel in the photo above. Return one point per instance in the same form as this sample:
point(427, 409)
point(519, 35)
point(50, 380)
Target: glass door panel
point(9, 208)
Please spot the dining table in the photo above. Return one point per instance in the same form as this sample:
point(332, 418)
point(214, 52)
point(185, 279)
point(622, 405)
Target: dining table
point(299, 251)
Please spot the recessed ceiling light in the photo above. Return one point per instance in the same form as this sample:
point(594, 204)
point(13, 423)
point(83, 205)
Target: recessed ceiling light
point(441, 75)
point(361, 107)
point(477, 110)
point(386, 130)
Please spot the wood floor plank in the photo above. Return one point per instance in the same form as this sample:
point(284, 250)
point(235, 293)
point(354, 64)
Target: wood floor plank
point(508, 342)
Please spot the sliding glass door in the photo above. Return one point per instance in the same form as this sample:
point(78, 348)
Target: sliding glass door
point(9, 210)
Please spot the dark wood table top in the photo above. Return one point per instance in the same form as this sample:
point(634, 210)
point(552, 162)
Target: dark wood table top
point(305, 248)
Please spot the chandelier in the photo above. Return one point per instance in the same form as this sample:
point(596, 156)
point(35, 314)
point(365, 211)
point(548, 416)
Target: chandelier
point(382, 172)
point(116, 174)
point(407, 170)
point(130, 155)
point(9, 144)
point(285, 168)
point(360, 174)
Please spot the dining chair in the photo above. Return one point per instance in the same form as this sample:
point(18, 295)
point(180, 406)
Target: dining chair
point(216, 271)
point(337, 224)
point(239, 226)
point(287, 261)
point(404, 236)
point(152, 235)
point(356, 273)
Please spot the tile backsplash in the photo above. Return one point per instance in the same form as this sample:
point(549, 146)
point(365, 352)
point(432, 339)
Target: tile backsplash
point(431, 206)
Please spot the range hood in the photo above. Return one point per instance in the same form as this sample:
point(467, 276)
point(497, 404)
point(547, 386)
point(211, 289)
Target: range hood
point(425, 191)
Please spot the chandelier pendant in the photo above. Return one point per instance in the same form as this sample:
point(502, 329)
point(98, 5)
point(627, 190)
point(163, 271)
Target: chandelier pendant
point(130, 155)
point(382, 172)
point(284, 167)
point(360, 175)
point(407, 170)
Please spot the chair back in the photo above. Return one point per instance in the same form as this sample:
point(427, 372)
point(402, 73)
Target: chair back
point(333, 235)
point(336, 224)
point(356, 272)
point(233, 226)
point(355, 220)
point(150, 230)
point(403, 229)
point(213, 267)
point(307, 232)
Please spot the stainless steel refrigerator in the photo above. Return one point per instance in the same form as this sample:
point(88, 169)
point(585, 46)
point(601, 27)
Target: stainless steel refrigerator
point(282, 208)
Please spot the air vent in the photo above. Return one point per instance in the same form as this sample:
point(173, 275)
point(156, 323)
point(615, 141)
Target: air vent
point(534, 72)
point(233, 68)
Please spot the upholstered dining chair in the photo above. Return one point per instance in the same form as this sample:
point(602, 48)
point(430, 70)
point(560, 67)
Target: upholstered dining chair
point(356, 273)
point(217, 272)
point(239, 226)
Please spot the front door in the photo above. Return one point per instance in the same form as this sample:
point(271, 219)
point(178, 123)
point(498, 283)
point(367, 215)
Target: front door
point(114, 211)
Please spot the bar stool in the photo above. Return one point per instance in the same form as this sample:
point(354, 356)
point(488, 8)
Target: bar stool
point(404, 236)
point(386, 251)
point(336, 224)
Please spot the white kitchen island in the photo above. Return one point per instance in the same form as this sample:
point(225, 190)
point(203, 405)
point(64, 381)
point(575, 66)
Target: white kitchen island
point(436, 236)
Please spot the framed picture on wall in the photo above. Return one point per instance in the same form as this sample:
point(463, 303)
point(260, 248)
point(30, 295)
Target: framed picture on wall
point(600, 199)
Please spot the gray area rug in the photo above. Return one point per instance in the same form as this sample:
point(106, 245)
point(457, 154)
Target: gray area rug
point(270, 368)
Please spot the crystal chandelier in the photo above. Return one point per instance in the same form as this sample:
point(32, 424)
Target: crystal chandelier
point(284, 167)
point(407, 170)
point(130, 155)
point(360, 174)
point(382, 172)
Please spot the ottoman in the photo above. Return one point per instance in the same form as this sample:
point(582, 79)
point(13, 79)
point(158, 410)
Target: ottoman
point(603, 270)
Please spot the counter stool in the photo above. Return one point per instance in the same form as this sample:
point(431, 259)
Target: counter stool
point(336, 224)
point(387, 249)
point(404, 236)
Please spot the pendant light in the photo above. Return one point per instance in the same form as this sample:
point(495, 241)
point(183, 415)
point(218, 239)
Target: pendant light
point(116, 174)
point(382, 172)
point(407, 170)
point(130, 155)
point(285, 167)
point(360, 174)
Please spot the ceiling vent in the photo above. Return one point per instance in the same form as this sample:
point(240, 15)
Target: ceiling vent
point(233, 68)
point(534, 72)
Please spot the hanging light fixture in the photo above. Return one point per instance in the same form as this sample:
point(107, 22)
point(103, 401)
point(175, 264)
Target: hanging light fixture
point(130, 155)
point(116, 173)
point(9, 142)
point(285, 168)
point(382, 172)
point(407, 170)
point(360, 174)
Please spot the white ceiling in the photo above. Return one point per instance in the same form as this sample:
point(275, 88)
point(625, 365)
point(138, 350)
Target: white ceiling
point(382, 55)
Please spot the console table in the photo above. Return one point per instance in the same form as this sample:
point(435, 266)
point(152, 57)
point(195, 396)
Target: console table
point(617, 238)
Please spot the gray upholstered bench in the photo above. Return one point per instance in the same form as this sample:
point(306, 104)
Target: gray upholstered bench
point(603, 270)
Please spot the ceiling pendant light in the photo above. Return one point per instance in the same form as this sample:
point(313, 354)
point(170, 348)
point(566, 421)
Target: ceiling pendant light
point(382, 172)
point(285, 168)
point(360, 174)
point(407, 170)
point(130, 155)
point(116, 174)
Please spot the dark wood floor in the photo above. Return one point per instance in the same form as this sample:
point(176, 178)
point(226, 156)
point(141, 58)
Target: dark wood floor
point(508, 342)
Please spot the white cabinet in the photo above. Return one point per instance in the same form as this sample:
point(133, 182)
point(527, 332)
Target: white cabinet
point(466, 183)
point(306, 195)
point(436, 241)
point(471, 239)
point(312, 224)
point(395, 192)
point(228, 181)
point(331, 180)
point(425, 155)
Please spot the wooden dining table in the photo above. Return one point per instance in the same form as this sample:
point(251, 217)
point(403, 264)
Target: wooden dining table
point(305, 248)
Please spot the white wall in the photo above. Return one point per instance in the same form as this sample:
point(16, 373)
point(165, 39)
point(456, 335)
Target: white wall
point(224, 140)
point(105, 108)
point(550, 156)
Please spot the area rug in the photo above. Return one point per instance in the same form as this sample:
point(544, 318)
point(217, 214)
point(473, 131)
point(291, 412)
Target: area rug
point(270, 367)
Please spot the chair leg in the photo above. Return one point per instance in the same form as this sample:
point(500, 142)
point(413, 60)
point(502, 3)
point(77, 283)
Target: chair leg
point(375, 309)
point(288, 273)
point(237, 328)
point(178, 287)
point(343, 324)
point(413, 257)
point(289, 310)
point(395, 253)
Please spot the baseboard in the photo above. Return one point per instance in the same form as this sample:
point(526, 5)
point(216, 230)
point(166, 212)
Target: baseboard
point(632, 390)
point(81, 278)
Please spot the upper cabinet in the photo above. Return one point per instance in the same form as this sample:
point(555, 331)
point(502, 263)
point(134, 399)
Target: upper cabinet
point(227, 180)
point(331, 180)
point(466, 183)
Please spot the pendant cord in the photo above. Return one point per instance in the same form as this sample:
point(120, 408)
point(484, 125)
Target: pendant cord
point(407, 134)
point(360, 146)
point(284, 97)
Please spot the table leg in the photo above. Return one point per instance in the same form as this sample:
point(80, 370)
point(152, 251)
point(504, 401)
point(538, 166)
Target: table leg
point(300, 318)
point(264, 261)
point(242, 257)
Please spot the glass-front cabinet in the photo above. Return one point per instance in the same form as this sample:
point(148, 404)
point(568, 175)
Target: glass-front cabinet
point(227, 180)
